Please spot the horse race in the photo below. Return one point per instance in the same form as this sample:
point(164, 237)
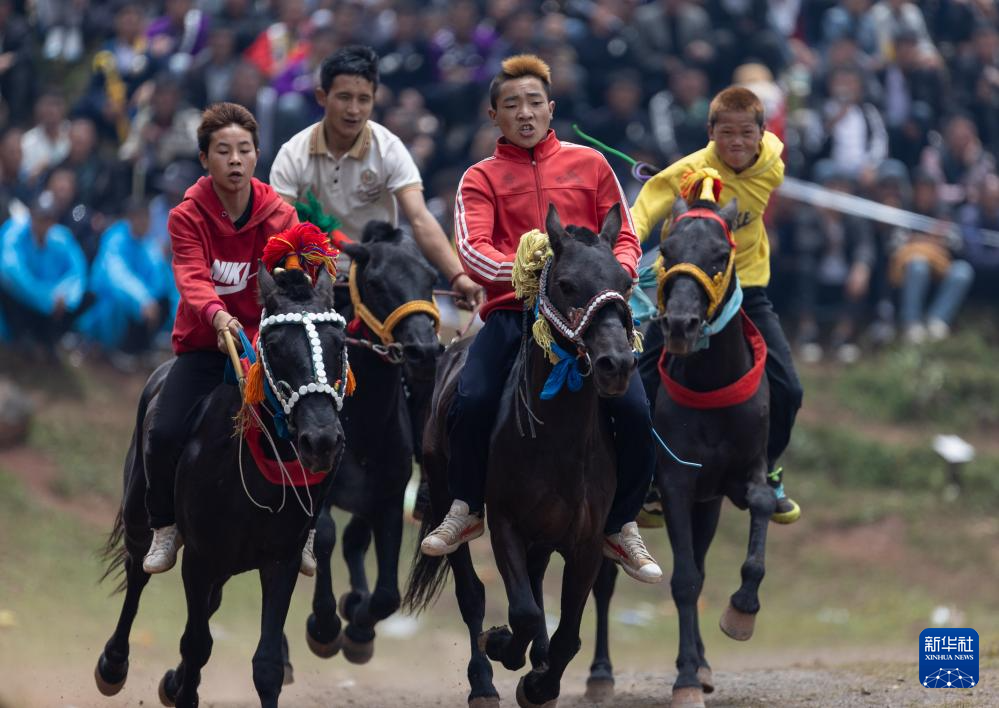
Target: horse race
point(486, 353)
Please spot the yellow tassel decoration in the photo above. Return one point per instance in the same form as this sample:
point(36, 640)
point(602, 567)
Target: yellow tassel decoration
point(543, 336)
point(351, 382)
point(532, 254)
point(254, 391)
point(638, 342)
point(702, 178)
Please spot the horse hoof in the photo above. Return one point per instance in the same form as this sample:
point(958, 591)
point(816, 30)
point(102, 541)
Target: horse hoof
point(484, 702)
point(358, 652)
point(599, 690)
point(707, 680)
point(324, 651)
point(496, 637)
point(524, 702)
point(289, 675)
point(105, 686)
point(738, 625)
point(165, 698)
point(689, 697)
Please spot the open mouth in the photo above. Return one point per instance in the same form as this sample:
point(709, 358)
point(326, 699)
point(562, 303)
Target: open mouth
point(526, 130)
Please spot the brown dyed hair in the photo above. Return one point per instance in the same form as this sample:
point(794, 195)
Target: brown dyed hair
point(517, 67)
point(221, 115)
point(736, 99)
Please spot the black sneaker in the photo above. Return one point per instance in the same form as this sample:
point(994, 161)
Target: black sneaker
point(787, 511)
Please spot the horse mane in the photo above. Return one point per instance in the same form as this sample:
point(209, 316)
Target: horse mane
point(380, 232)
point(294, 285)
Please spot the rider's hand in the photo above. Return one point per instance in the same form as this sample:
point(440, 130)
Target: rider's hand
point(470, 293)
point(223, 321)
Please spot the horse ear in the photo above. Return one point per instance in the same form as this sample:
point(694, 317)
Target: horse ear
point(729, 212)
point(265, 283)
point(324, 287)
point(553, 225)
point(611, 228)
point(356, 251)
point(680, 207)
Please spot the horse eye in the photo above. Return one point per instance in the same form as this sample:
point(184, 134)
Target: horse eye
point(566, 286)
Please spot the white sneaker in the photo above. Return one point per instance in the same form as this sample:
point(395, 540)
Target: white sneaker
point(937, 330)
point(162, 553)
point(308, 565)
point(458, 527)
point(915, 333)
point(628, 550)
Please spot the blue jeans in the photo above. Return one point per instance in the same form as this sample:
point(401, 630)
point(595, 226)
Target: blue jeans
point(949, 296)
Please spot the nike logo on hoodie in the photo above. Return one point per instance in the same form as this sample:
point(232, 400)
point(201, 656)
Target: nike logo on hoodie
point(230, 277)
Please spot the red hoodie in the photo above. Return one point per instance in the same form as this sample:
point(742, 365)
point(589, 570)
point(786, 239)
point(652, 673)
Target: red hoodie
point(507, 195)
point(215, 265)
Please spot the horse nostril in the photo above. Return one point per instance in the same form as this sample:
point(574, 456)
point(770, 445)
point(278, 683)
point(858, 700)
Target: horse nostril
point(692, 325)
point(419, 354)
point(605, 364)
point(608, 365)
point(317, 444)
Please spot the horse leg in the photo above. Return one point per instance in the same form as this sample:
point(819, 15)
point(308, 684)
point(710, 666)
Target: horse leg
point(112, 665)
point(739, 617)
point(541, 688)
point(277, 582)
point(600, 684)
point(356, 539)
point(322, 629)
point(705, 523)
point(525, 617)
point(471, 595)
point(685, 585)
point(537, 564)
point(358, 644)
point(180, 687)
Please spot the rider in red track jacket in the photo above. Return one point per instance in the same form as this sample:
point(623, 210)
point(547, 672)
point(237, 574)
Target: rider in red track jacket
point(507, 195)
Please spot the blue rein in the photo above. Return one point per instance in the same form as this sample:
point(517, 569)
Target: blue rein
point(729, 310)
point(277, 412)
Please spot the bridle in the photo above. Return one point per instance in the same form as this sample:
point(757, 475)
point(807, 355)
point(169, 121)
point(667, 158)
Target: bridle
point(715, 286)
point(579, 318)
point(389, 350)
point(285, 395)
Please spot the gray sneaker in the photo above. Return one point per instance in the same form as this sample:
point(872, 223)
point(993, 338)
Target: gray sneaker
point(162, 553)
point(628, 550)
point(458, 527)
point(308, 565)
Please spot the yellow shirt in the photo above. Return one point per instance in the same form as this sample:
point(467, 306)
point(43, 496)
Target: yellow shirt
point(751, 188)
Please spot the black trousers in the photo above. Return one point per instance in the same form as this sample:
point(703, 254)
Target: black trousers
point(194, 376)
point(27, 323)
point(785, 388)
point(473, 414)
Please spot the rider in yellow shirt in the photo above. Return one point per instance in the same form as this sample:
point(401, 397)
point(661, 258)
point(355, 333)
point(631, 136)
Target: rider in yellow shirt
point(748, 158)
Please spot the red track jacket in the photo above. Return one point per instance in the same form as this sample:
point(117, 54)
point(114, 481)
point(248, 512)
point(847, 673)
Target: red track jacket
point(507, 195)
point(214, 265)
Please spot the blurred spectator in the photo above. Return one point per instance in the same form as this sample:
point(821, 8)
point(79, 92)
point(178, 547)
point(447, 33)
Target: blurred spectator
point(162, 132)
point(670, 36)
point(679, 115)
point(623, 123)
point(42, 277)
point(834, 256)
point(177, 36)
point(249, 90)
point(47, 144)
point(914, 95)
point(976, 79)
point(12, 187)
point(850, 19)
point(894, 17)
point(462, 51)
point(957, 160)
point(94, 183)
point(244, 19)
point(405, 57)
point(213, 69)
point(120, 67)
point(71, 212)
point(170, 187)
point(296, 86)
point(982, 253)
point(919, 259)
point(607, 43)
point(518, 29)
point(855, 137)
point(16, 80)
point(133, 286)
point(62, 23)
point(281, 42)
point(743, 33)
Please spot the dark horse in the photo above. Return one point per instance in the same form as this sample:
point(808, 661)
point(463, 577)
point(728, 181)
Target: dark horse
point(224, 532)
point(551, 473)
point(389, 274)
point(714, 415)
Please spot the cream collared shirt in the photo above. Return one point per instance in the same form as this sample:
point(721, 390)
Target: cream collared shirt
point(358, 187)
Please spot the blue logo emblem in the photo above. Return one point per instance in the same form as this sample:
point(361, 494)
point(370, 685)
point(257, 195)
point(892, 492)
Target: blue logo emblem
point(948, 658)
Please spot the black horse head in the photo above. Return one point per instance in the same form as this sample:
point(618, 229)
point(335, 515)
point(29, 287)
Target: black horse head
point(391, 272)
point(289, 350)
point(584, 266)
point(701, 242)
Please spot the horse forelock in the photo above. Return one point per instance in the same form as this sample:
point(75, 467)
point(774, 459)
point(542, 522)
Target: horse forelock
point(583, 235)
point(380, 231)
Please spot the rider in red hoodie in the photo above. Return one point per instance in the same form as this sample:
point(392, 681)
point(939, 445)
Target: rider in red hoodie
point(498, 200)
point(217, 233)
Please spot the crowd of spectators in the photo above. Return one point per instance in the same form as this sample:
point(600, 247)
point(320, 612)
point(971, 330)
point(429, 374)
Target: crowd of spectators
point(892, 100)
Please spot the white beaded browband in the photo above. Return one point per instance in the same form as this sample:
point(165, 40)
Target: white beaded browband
point(321, 384)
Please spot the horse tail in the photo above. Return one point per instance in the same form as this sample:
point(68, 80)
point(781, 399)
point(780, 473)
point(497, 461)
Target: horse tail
point(114, 553)
point(427, 575)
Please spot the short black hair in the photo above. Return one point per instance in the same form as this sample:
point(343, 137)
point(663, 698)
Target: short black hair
point(355, 60)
